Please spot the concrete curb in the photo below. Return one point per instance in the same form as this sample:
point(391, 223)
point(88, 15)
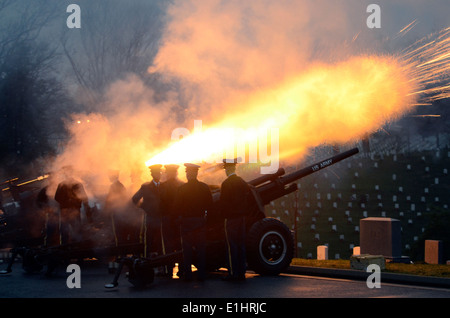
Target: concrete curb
point(362, 275)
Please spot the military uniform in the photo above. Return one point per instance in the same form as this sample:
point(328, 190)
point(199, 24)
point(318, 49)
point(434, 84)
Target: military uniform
point(115, 206)
point(70, 195)
point(171, 240)
point(234, 204)
point(194, 199)
point(149, 192)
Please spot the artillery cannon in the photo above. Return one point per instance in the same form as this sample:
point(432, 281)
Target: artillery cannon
point(270, 244)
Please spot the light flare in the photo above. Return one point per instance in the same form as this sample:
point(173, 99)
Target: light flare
point(330, 104)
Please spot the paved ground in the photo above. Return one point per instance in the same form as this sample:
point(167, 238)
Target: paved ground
point(18, 284)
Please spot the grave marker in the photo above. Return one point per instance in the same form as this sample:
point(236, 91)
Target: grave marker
point(322, 252)
point(434, 252)
point(381, 236)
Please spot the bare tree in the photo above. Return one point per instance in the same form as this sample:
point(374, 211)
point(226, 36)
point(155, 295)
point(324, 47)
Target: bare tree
point(116, 38)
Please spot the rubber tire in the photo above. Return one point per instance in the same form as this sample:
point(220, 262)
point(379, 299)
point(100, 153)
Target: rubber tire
point(30, 262)
point(140, 274)
point(270, 247)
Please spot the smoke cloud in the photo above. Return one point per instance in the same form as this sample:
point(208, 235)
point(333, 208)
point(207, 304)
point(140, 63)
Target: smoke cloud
point(234, 60)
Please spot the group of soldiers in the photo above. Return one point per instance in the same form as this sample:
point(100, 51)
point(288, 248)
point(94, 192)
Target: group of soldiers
point(175, 216)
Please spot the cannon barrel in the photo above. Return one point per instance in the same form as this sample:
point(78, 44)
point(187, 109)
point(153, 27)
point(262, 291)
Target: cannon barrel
point(267, 177)
point(318, 166)
point(282, 185)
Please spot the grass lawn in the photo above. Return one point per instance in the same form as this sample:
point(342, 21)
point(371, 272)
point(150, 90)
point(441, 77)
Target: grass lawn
point(411, 269)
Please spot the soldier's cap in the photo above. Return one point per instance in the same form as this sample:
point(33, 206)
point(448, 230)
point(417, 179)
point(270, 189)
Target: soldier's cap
point(171, 167)
point(155, 167)
point(191, 166)
point(231, 162)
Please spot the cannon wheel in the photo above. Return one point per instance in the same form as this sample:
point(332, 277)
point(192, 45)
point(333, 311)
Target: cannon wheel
point(30, 262)
point(270, 247)
point(140, 274)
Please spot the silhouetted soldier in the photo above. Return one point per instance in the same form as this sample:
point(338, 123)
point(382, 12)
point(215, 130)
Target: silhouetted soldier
point(234, 203)
point(115, 207)
point(48, 207)
point(151, 204)
point(170, 227)
point(71, 195)
point(194, 199)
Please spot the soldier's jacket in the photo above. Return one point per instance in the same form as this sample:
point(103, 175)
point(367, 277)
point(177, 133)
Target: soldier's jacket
point(168, 192)
point(151, 201)
point(70, 194)
point(193, 199)
point(117, 196)
point(235, 197)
